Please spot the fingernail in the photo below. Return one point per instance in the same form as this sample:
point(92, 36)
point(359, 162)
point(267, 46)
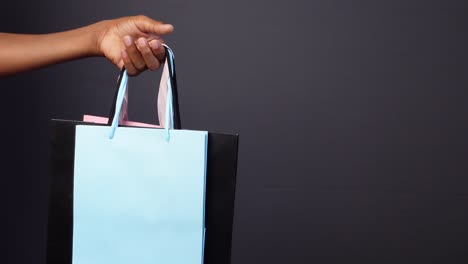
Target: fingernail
point(154, 44)
point(128, 41)
point(142, 42)
point(169, 27)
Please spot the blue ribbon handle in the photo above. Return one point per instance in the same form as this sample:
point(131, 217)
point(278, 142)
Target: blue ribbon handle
point(169, 120)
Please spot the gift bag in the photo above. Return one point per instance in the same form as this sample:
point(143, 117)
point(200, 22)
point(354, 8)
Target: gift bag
point(128, 192)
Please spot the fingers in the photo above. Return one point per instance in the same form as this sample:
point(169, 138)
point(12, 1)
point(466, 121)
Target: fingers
point(158, 49)
point(142, 54)
point(131, 70)
point(142, 49)
point(150, 26)
point(149, 58)
point(134, 56)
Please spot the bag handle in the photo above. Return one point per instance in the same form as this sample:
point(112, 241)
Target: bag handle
point(172, 113)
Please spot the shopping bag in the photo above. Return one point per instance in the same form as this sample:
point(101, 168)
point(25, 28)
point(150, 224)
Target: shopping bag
point(63, 240)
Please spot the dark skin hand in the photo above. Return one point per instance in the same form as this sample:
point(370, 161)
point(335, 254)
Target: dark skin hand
point(134, 42)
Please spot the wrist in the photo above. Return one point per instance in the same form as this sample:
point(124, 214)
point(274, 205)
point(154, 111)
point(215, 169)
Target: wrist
point(94, 35)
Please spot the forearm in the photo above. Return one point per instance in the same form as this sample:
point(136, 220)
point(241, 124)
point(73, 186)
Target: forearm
point(19, 53)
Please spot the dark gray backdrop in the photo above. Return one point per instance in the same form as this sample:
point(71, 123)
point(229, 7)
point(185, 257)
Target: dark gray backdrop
point(352, 115)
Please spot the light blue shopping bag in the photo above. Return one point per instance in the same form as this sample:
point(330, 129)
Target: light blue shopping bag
point(139, 193)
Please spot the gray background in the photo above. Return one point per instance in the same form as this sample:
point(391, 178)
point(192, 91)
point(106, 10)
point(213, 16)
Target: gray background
point(352, 116)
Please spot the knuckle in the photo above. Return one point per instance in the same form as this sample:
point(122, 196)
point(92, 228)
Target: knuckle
point(131, 71)
point(140, 65)
point(141, 17)
point(153, 66)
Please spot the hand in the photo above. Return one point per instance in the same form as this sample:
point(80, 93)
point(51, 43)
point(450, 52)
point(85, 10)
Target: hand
point(133, 42)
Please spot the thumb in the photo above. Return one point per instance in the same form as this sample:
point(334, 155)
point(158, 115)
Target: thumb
point(150, 26)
